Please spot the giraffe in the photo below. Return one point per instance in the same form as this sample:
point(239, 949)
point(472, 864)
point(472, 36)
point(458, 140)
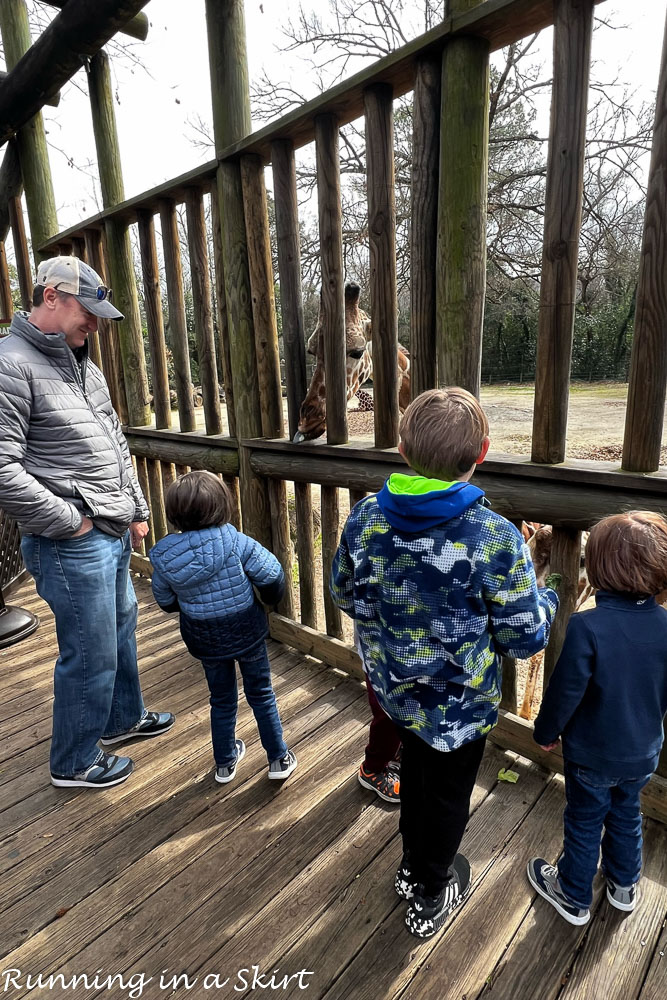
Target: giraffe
point(359, 367)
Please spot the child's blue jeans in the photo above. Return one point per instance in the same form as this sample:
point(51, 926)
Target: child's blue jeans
point(256, 674)
point(594, 801)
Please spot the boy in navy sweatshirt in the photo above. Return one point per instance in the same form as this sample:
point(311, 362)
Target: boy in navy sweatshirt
point(440, 588)
point(606, 701)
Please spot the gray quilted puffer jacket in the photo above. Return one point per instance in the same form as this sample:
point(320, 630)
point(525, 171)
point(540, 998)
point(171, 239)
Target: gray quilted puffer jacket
point(62, 451)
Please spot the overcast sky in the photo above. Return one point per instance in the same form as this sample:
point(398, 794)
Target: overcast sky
point(157, 103)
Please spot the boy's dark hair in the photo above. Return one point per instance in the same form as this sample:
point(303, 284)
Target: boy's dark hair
point(442, 432)
point(198, 500)
point(628, 553)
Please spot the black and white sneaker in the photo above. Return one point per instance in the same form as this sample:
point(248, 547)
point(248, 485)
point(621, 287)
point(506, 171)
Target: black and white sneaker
point(404, 882)
point(427, 914)
point(283, 767)
point(107, 770)
point(151, 724)
point(622, 897)
point(544, 879)
point(225, 774)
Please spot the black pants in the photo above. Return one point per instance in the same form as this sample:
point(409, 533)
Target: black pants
point(436, 787)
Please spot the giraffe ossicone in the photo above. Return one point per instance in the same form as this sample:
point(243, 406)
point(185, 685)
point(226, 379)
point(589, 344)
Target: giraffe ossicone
point(358, 368)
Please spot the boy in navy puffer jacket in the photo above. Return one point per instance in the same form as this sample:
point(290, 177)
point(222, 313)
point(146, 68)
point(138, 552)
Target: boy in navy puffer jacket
point(207, 573)
point(606, 701)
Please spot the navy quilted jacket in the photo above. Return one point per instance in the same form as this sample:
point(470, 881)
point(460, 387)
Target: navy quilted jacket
point(208, 575)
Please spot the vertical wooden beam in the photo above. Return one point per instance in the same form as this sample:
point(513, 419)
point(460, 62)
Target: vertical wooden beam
point(94, 349)
point(573, 28)
point(109, 346)
point(289, 269)
point(119, 250)
point(379, 114)
point(333, 295)
point(263, 302)
point(223, 326)
point(154, 324)
point(461, 250)
point(142, 476)
point(648, 367)
point(202, 301)
point(6, 304)
point(305, 551)
point(330, 538)
point(158, 517)
point(31, 139)
point(178, 329)
point(565, 559)
point(424, 224)
point(231, 122)
point(21, 252)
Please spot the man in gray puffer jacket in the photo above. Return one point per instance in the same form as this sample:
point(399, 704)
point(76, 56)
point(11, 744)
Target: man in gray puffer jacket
point(66, 476)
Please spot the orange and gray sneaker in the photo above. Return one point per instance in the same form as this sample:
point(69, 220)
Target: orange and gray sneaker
point(386, 783)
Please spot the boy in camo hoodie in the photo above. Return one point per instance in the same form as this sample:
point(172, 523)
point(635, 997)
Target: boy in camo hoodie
point(440, 588)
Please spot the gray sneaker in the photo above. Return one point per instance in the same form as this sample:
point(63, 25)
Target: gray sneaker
point(283, 767)
point(107, 770)
point(622, 897)
point(225, 774)
point(544, 879)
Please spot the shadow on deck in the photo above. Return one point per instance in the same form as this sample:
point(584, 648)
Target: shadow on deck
point(172, 874)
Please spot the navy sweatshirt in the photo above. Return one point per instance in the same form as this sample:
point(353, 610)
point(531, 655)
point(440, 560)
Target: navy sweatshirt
point(608, 693)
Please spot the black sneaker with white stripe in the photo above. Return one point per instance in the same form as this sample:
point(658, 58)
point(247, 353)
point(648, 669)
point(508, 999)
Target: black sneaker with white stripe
point(107, 770)
point(427, 914)
point(544, 879)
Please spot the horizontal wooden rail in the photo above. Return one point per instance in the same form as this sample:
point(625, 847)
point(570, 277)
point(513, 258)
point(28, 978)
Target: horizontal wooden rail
point(198, 450)
point(499, 21)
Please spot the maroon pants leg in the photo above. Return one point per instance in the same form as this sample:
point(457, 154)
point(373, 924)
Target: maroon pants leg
point(384, 737)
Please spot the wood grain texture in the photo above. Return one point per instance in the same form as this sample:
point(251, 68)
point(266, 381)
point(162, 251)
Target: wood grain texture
point(223, 350)
point(566, 560)
point(648, 366)
point(424, 223)
point(21, 253)
point(289, 271)
point(154, 324)
point(202, 305)
point(112, 365)
point(305, 550)
point(330, 537)
point(177, 323)
point(331, 256)
point(573, 27)
point(380, 178)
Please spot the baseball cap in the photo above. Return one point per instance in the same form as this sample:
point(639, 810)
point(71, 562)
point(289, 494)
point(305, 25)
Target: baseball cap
point(74, 276)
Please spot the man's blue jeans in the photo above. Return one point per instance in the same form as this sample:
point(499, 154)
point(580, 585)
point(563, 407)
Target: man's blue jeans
point(595, 800)
point(256, 674)
point(86, 582)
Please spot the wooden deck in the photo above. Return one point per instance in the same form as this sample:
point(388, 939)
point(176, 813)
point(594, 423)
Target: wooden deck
point(172, 874)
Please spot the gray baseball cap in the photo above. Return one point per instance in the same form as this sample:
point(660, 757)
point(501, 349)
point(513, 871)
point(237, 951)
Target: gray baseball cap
point(74, 276)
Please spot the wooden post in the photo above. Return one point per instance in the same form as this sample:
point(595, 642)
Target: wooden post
point(379, 113)
point(21, 252)
point(121, 266)
point(137, 27)
point(333, 294)
point(565, 559)
point(158, 518)
point(263, 303)
point(109, 345)
point(424, 227)
point(142, 476)
point(305, 551)
point(153, 306)
point(648, 368)
point(178, 329)
point(202, 301)
point(31, 138)
point(231, 122)
point(330, 538)
point(461, 251)
point(6, 304)
point(573, 28)
point(223, 327)
point(11, 184)
point(289, 269)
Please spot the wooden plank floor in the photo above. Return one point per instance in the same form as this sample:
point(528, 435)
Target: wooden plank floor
point(171, 874)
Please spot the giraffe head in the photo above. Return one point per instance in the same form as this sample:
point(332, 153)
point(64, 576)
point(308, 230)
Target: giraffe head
point(359, 365)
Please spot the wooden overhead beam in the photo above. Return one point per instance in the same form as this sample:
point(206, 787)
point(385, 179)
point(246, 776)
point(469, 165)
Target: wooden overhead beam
point(52, 101)
point(75, 35)
point(137, 27)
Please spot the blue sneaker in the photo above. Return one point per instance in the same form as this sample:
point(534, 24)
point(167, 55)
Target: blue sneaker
point(151, 724)
point(225, 774)
point(107, 770)
point(544, 879)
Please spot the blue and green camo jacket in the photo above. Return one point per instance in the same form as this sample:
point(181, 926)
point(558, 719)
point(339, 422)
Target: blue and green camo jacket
point(440, 587)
